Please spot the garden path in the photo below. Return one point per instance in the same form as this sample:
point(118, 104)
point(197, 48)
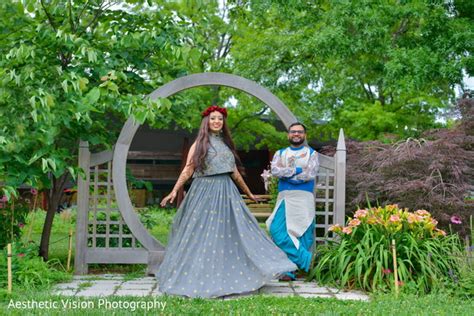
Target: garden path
point(118, 285)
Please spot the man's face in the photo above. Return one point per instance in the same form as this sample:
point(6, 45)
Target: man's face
point(296, 135)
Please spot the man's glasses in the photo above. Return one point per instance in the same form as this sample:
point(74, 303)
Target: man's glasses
point(296, 132)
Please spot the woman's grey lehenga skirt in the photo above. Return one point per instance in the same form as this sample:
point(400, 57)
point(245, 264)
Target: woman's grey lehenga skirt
point(216, 247)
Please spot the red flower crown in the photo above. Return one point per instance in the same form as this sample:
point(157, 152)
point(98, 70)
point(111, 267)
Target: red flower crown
point(213, 108)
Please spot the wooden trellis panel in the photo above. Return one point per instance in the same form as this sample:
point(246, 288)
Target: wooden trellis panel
point(324, 201)
point(330, 191)
point(102, 234)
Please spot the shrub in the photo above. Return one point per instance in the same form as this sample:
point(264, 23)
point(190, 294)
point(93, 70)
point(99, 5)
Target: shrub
point(13, 213)
point(362, 256)
point(464, 285)
point(155, 215)
point(434, 172)
point(29, 270)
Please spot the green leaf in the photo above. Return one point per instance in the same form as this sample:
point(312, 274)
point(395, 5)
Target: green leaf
point(93, 95)
point(52, 163)
point(64, 86)
point(83, 83)
point(30, 7)
point(44, 163)
point(194, 55)
point(32, 101)
point(72, 172)
point(35, 157)
point(166, 103)
point(91, 55)
point(34, 115)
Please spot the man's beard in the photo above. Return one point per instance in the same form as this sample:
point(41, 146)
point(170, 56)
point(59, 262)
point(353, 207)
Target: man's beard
point(297, 143)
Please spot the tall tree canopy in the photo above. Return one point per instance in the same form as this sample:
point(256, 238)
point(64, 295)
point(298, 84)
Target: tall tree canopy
point(372, 67)
point(72, 70)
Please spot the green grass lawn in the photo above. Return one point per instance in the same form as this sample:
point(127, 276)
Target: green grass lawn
point(255, 305)
point(159, 223)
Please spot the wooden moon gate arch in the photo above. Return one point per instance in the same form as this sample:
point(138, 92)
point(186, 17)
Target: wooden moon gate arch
point(150, 250)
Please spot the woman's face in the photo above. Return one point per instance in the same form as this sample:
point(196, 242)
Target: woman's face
point(216, 121)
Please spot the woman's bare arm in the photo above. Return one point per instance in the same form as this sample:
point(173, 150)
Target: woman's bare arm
point(237, 177)
point(187, 172)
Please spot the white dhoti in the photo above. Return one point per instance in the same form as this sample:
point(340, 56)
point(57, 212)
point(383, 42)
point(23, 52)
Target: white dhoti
point(299, 212)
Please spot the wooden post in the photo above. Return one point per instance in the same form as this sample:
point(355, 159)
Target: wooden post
point(9, 267)
point(13, 217)
point(340, 180)
point(395, 266)
point(80, 265)
point(69, 253)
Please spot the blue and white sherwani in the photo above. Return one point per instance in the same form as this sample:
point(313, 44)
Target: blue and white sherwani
point(291, 224)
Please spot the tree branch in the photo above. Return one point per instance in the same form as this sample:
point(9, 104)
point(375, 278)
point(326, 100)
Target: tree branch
point(96, 16)
point(71, 20)
point(368, 92)
point(221, 44)
point(18, 29)
point(50, 18)
point(227, 47)
point(401, 29)
point(381, 97)
point(236, 125)
point(81, 12)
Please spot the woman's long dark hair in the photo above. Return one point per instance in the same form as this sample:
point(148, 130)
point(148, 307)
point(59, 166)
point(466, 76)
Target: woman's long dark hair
point(202, 145)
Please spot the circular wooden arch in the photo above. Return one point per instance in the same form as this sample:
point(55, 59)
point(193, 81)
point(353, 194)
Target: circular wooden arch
point(130, 128)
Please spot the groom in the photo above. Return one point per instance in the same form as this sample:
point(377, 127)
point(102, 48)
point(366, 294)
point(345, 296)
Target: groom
point(291, 224)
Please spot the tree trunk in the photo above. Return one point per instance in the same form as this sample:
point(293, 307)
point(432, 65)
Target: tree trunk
point(54, 198)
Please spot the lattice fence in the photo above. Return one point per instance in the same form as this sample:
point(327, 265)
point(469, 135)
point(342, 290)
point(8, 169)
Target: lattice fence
point(330, 191)
point(102, 234)
point(324, 200)
point(106, 227)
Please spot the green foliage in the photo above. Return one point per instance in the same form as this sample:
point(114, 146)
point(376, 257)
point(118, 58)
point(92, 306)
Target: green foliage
point(136, 183)
point(273, 191)
point(158, 221)
point(433, 172)
point(13, 216)
point(59, 236)
point(361, 256)
point(74, 70)
point(464, 285)
point(30, 271)
point(252, 123)
point(373, 68)
point(77, 70)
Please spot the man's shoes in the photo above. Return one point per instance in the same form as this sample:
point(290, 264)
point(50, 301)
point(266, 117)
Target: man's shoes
point(287, 277)
point(301, 274)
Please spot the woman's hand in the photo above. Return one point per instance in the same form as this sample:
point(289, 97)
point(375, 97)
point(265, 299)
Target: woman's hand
point(253, 198)
point(170, 197)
